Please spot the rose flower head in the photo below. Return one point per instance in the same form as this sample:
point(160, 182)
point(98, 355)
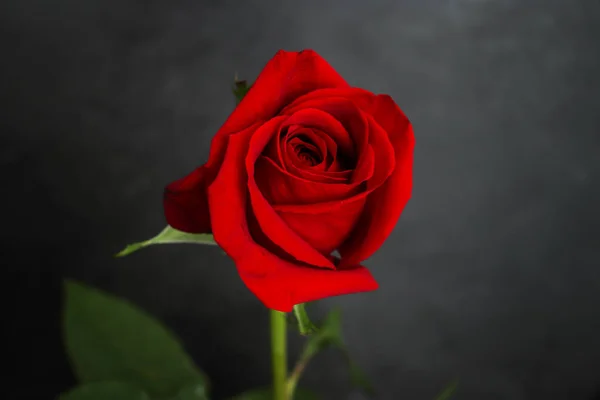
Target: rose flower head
point(304, 166)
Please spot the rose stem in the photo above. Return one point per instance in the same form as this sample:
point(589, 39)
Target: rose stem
point(278, 354)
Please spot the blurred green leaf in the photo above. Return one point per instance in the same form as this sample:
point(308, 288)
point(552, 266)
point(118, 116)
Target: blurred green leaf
point(109, 339)
point(358, 377)
point(448, 392)
point(105, 391)
point(169, 236)
point(192, 392)
point(240, 88)
point(330, 335)
point(304, 324)
point(267, 394)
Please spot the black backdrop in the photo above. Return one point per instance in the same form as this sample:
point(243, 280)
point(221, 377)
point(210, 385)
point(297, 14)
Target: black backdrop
point(492, 275)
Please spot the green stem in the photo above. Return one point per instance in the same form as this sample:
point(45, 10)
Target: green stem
point(307, 354)
point(295, 376)
point(278, 354)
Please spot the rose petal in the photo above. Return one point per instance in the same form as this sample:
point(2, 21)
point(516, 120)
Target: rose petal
point(331, 162)
point(326, 145)
point(295, 146)
point(289, 284)
point(271, 224)
point(278, 283)
point(185, 201)
point(365, 169)
point(328, 230)
point(360, 97)
point(301, 137)
point(385, 204)
point(280, 187)
point(227, 200)
point(273, 149)
point(287, 76)
point(321, 176)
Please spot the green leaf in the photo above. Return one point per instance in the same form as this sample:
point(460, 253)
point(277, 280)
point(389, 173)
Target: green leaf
point(267, 394)
point(192, 392)
point(105, 391)
point(109, 339)
point(305, 325)
point(358, 378)
point(448, 391)
point(169, 235)
point(240, 88)
point(330, 335)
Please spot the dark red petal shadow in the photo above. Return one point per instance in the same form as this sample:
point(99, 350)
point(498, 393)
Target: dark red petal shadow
point(280, 187)
point(325, 122)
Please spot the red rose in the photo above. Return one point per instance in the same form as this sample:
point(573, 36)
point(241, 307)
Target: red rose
point(304, 165)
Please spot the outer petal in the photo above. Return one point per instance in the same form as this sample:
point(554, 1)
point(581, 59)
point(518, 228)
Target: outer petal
point(287, 76)
point(279, 284)
point(289, 284)
point(185, 201)
point(186, 205)
point(384, 205)
point(359, 96)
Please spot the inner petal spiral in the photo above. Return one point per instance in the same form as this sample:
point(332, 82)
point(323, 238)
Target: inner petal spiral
point(306, 152)
point(313, 145)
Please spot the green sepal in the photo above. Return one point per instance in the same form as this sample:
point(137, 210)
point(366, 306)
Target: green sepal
point(240, 88)
point(301, 320)
point(169, 235)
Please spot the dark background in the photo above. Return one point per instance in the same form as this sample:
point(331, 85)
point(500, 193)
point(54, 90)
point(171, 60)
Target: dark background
point(492, 275)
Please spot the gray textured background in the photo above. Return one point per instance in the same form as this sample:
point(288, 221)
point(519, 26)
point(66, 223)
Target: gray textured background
point(492, 275)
